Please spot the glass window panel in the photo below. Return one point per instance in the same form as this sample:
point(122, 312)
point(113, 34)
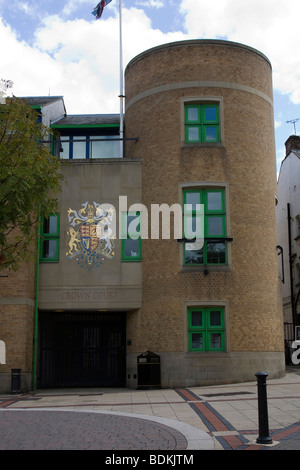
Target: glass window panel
point(197, 341)
point(210, 133)
point(215, 341)
point(105, 148)
point(215, 226)
point(193, 199)
point(79, 148)
point(131, 248)
point(192, 255)
point(197, 319)
point(193, 113)
point(65, 147)
point(215, 318)
point(50, 224)
point(214, 201)
point(216, 253)
point(133, 225)
point(210, 114)
point(193, 133)
point(50, 248)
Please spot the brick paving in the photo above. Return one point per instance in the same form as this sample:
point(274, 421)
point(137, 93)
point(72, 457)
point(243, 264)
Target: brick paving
point(67, 430)
point(221, 417)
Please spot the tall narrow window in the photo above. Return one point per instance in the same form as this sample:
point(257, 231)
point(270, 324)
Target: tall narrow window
point(132, 244)
point(202, 123)
point(206, 329)
point(49, 251)
point(214, 250)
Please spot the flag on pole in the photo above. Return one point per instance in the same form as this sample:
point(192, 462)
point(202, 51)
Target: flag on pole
point(97, 12)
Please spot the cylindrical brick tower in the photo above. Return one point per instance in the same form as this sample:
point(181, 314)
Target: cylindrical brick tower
point(202, 111)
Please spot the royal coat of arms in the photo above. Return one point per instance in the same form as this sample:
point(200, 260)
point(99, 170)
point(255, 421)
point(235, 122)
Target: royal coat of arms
point(90, 235)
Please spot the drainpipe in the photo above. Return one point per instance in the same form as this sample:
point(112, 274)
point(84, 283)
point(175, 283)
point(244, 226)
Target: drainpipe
point(291, 265)
point(35, 335)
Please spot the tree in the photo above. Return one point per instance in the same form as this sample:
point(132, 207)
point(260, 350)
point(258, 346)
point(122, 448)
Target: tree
point(30, 178)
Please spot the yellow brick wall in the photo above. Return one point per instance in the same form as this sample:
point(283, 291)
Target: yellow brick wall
point(246, 163)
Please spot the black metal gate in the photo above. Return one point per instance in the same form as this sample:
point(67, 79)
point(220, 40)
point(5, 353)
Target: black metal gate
point(81, 349)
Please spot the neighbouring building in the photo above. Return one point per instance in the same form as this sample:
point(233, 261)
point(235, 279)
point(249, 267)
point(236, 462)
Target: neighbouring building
point(163, 309)
point(288, 229)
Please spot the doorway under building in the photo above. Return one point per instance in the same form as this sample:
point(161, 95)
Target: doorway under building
point(81, 349)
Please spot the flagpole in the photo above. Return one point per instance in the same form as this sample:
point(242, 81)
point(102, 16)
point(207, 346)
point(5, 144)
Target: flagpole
point(121, 83)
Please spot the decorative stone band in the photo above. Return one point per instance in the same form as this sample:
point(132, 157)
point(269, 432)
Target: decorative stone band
point(199, 84)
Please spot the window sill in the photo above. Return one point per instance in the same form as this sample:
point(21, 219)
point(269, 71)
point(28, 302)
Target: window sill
point(185, 145)
point(191, 354)
point(205, 269)
point(49, 261)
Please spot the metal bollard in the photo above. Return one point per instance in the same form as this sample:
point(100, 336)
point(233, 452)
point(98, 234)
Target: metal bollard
point(263, 436)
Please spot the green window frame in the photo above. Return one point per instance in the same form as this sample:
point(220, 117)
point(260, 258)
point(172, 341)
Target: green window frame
point(131, 237)
point(206, 329)
point(49, 232)
point(202, 123)
point(214, 248)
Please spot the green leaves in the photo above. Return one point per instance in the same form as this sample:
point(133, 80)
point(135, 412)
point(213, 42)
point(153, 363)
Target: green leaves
point(29, 176)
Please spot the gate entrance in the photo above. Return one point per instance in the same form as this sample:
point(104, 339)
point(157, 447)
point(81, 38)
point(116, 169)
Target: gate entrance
point(81, 349)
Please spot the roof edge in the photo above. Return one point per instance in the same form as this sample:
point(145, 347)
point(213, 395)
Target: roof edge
point(189, 42)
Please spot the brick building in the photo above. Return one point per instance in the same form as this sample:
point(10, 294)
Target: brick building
point(288, 236)
point(198, 132)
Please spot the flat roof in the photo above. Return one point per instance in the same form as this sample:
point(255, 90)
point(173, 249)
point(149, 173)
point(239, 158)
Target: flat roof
point(88, 120)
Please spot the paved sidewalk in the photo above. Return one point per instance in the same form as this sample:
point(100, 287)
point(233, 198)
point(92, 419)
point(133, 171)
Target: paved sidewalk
point(222, 417)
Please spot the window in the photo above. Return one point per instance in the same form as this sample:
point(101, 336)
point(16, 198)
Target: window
point(49, 251)
point(206, 329)
point(86, 146)
point(214, 250)
point(132, 244)
point(202, 122)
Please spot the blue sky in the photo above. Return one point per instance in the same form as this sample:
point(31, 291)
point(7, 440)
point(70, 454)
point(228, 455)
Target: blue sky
point(56, 47)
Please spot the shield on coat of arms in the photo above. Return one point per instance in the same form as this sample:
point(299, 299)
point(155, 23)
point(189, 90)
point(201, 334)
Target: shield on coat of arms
point(89, 237)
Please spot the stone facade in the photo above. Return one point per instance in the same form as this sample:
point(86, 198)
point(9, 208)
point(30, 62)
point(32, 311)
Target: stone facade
point(151, 297)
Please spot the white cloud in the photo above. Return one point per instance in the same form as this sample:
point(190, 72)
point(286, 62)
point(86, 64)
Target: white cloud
point(87, 56)
point(269, 26)
point(150, 3)
point(26, 66)
point(79, 59)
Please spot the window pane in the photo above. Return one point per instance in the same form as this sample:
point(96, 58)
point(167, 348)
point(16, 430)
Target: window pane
point(133, 225)
point(105, 148)
point(131, 248)
point(216, 253)
point(79, 148)
point(193, 113)
point(215, 341)
point(210, 114)
point(192, 198)
point(65, 147)
point(50, 224)
point(215, 318)
point(197, 340)
point(194, 229)
point(215, 226)
point(193, 133)
point(192, 254)
point(197, 319)
point(210, 133)
point(214, 201)
point(49, 248)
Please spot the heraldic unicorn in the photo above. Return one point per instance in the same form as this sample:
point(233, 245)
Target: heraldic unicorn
point(90, 235)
